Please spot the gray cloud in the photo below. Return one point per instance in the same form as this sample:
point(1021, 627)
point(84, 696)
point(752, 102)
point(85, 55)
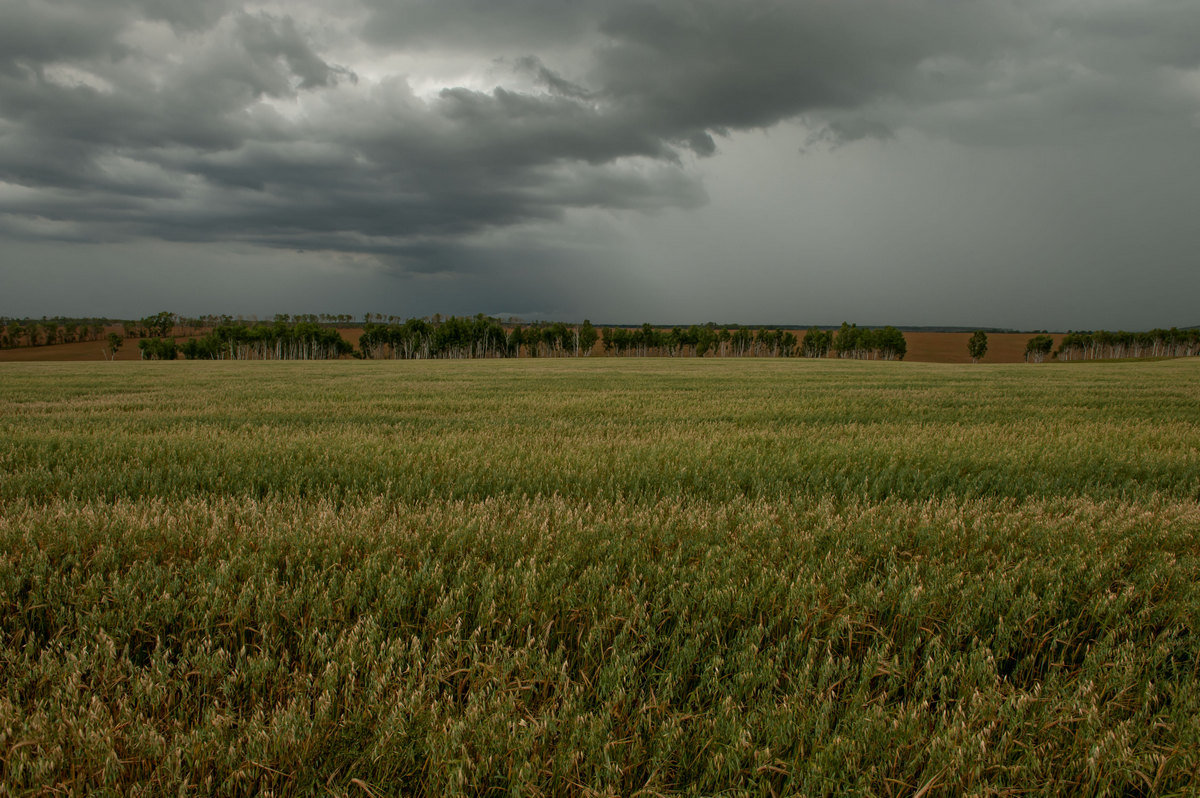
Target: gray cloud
point(316, 129)
point(35, 33)
point(202, 148)
point(481, 25)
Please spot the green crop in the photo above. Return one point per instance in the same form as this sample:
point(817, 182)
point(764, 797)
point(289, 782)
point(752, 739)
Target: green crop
point(603, 577)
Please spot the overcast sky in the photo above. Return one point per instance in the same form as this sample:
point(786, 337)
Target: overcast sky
point(1029, 164)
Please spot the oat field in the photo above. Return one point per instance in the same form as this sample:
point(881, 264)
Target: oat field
point(599, 577)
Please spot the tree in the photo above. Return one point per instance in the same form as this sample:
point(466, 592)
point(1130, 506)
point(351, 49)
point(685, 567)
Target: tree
point(740, 341)
point(977, 346)
point(586, 338)
point(846, 342)
point(513, 341)
point(890, 343)
point(869, 344)
point(1038, 347)
point(533, 340)
point(787, 344)
point(160, 325)
point(648, 339)
point(114, 343)
point(816, 342)
point(158, 348)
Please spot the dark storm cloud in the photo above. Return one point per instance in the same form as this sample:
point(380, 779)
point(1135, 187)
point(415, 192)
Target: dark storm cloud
point(193, 148)
point(481, 25)
point(60, 126)
point(36, 32)
point(33, 33)
point(175, 120)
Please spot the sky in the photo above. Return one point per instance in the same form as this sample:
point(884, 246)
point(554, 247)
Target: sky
point(1019, 164)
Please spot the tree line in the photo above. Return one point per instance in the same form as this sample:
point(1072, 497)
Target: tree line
point(1102, 344)
point(1106, 345)
point(478, 337)
point(45, 331)
point(312, 336)
point(697, 341)
point(483, 336)
point(487, 337)
point(849, 341)
point(237, 340)
point(315, 337)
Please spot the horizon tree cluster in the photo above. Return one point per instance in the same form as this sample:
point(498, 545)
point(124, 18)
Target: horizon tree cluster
point(422, 339)
point(235, 340)
point(315, 337)
point(1105, 345)
point(1038, 348)
point(861, 343)
point(887, 343)
point(16, 333)
point(977, 346)
point(696, 341)
point(472, 338)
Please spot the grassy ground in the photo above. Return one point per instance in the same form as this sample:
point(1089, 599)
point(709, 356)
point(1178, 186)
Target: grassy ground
point(612, 577)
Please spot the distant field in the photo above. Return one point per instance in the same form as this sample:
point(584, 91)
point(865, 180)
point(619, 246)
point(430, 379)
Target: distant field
point(77, 350)
point(600, 576)
point(923, 347)
point(940, 347)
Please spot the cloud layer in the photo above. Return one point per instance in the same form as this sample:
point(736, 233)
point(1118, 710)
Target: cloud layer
point(416, 131)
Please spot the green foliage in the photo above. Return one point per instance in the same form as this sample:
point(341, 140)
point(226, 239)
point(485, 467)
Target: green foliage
point(816, 342)
point(674, 577)
point(890, 344)
point(1038, 347)
point(453, 338)
point(1102, 344)
point(846, 341)
point(159, 325)
point(13, 334)
point(158, 348)
point(977, 346)
point(588, 335)
point(280, 340)
point(886, 343)
point(60, 329)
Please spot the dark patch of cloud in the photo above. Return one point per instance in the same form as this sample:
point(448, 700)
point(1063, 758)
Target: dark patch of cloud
point(253, 132)
point(268, 38)
point(185, 15)
point(374, 172)
point(480, 25)
point(552, 81)
point(34, 33)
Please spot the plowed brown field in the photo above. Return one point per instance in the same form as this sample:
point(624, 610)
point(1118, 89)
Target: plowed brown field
point(941, 347)
point(79, 350)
